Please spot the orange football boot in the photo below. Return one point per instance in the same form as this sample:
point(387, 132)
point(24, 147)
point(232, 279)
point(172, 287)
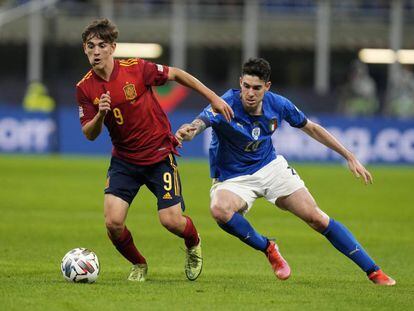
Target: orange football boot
point(279, 264)
point(380, 278)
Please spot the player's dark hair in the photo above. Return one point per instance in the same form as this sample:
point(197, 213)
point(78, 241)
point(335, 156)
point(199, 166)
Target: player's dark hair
point(258, 67)
point(101, 28)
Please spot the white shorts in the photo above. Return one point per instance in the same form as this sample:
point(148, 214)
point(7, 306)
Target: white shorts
point(272, 181)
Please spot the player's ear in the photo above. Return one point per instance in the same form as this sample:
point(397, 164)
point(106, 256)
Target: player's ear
point(113, 45)
point(241, 81)
point(267, 85)
point(84, 47)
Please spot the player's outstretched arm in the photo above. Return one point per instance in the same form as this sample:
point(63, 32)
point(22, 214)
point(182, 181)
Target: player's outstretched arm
point(187, 132)
point(93, 128)
point(320, 134)
point(217, 103)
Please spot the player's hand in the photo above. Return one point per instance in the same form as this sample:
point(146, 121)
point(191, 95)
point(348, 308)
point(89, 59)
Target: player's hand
point(186, 132)
point(220, 106)
point(104, 104)
point(359, 170)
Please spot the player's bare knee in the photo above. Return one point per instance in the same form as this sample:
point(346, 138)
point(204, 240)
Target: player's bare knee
point(114, 227)
point(221, 212)
point(172, 224)
point(172, 219)
point(168, 224)
point(280, 206)
point(318, 222)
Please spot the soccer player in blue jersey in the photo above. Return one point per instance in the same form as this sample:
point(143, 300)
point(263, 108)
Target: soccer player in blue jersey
point(245, 166)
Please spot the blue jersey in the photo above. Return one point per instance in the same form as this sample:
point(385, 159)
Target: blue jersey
point(244, 145)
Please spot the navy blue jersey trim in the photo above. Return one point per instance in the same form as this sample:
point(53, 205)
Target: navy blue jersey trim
point(205, 120)
point(301, 124)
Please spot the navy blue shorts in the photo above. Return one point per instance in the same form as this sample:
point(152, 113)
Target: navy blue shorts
point(124, 180)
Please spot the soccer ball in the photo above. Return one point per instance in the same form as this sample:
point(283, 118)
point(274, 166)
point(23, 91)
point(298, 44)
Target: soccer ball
point(80, 265)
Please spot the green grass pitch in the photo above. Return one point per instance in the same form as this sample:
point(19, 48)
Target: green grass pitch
point(49, 205)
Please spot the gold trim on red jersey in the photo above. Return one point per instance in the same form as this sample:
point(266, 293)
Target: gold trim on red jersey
point(85, 77)
point(128, 62)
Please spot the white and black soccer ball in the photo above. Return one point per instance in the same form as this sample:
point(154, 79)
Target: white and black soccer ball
point(80, 265)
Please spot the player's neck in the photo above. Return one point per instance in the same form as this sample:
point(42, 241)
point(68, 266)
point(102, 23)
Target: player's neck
point(256, 111)
point(106, 71)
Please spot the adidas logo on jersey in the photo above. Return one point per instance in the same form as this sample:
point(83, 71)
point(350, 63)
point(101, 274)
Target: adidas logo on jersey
point(167, 196)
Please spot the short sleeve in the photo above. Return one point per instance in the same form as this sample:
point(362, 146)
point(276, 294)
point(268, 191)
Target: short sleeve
point(87, 111)
point(293, 115)
point(154, 74)
point(209, 117)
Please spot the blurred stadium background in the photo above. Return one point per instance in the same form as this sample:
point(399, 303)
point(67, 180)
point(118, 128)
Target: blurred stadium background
point(315, 47)
point(50, 204)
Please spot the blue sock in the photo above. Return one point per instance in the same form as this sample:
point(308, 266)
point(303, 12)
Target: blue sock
point(241, 228)
point(344, 241)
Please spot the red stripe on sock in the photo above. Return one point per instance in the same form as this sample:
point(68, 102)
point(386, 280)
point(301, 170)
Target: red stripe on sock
point(190, 234)
point(125, 245)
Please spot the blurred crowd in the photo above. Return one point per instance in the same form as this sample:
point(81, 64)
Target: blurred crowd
point(359, 95)
point(302, 4)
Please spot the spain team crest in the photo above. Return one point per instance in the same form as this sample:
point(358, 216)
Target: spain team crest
point(130, 92)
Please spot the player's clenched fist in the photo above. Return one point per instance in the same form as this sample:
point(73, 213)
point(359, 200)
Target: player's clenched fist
point(185, 132)
point(104, 103)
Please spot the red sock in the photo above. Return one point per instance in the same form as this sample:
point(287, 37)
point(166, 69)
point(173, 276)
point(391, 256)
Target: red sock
point(190, 234)
point(125, 245)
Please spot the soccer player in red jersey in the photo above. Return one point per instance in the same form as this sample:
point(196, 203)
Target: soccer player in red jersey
point(118, 94)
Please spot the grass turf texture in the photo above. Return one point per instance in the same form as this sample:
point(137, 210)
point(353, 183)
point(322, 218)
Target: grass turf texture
point(50, 205)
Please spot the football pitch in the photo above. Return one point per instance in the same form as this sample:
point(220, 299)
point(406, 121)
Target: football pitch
point(49, 205)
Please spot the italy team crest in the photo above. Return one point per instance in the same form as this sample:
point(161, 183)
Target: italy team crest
point(273, 125)
point(130, 92)
point(256, 133)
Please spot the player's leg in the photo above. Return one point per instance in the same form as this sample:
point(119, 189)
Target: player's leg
point(174, 221)
point(119, 193)
point(115, 211)
point(226, 207)
point(172, 218)
point(302, 204)
point(164, 182)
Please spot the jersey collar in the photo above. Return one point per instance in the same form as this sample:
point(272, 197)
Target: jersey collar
point(114, 73)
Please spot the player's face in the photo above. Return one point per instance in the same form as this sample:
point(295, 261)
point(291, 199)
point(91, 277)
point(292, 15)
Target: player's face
point(252, 92)
point(99, 52)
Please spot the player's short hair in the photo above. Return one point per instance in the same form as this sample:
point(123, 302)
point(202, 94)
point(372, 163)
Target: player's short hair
point(258, 67)
point(101, 28)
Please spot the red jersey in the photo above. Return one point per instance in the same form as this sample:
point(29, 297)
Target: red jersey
point(139, 128)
